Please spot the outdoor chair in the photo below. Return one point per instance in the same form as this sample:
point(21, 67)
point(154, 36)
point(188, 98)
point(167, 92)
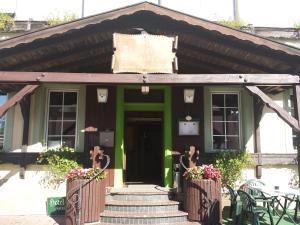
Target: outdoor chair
point(233, 198)
point(249, 206)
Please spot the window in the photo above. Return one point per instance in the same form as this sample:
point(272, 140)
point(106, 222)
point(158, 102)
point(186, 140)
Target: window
point(62, 114)
point(292, 110)
point(3, 99)
point(225, 121)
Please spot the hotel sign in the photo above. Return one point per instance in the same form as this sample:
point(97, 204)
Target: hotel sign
point(144, 53)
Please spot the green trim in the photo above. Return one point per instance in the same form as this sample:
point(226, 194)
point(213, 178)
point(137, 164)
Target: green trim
point(143, 107)
point(168, 162)
point(119, 149)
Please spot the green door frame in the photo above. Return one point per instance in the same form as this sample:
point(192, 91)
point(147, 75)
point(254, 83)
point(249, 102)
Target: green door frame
point(167, 131)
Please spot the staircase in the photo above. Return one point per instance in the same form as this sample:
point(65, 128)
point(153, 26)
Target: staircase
point(138, 204)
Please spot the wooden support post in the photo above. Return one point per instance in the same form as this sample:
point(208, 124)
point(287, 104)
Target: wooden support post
point(25, 109)
point(296, 93)
point(258, 108)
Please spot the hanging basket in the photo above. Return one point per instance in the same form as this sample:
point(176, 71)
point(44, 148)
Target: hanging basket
point(92, 201)
point(203, 201)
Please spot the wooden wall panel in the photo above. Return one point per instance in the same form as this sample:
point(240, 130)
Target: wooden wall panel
point(179, 111)
point(101, 116)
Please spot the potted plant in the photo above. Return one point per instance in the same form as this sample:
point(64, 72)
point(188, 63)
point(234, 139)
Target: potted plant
point(85, 195)
point(203, 194)
point(85, 192)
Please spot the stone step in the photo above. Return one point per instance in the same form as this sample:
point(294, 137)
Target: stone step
point(180, 223)
point(141, 206)
point(143, 218)
point(139, 196)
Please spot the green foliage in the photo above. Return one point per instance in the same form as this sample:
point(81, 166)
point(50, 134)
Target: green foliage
point(232, 23)
point(56, 19)
point(231, 165)
point(60, 161)
point(6, 21)
point(297, 25)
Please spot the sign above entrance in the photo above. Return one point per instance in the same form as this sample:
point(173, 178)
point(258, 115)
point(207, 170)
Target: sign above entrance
point(144, 53)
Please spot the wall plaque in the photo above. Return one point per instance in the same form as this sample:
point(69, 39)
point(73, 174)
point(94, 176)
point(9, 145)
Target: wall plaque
point(188, 128)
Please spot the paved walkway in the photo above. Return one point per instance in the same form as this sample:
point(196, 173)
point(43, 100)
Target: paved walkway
point(32, 220)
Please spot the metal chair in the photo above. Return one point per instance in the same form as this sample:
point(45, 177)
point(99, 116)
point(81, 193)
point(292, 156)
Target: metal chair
point(249, 206)
point(233, 197)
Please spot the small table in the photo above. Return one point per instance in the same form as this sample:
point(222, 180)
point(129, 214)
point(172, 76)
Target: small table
point(290, 195)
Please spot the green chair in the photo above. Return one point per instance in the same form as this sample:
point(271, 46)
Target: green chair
point(250, 207)
point(233, 202)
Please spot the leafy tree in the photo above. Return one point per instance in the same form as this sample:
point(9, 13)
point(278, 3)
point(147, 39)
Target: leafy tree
point(6, 21)
point(57, 19)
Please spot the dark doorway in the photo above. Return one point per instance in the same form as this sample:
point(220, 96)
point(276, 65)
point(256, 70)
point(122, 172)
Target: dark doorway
point(143, 147)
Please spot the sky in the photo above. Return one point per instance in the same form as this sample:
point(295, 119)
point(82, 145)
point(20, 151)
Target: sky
point(272, 13)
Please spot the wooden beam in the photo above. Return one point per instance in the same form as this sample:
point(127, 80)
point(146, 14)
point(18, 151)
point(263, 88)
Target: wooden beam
point(54, 77)
point(296, 95)
point(272, 105)
point(25, 109)
point(16, 98)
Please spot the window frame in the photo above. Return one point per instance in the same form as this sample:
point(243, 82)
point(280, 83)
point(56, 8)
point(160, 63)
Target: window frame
point(291, 111)
point(48, 108)
point(5, 124)
point(239, 119)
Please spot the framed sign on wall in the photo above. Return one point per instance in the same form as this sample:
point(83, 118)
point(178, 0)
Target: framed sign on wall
point(188, 128)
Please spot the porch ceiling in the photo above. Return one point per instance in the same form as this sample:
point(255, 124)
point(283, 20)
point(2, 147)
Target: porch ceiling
point(85, 45)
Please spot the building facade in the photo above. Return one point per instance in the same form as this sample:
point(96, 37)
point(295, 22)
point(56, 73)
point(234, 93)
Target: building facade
point(51, 80)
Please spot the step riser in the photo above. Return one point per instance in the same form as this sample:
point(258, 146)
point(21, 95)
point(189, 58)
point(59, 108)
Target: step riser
point(140, 197)
point(158, 220)
point(150, 209)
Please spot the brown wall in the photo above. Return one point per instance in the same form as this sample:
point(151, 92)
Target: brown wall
point(101, 116)
point(179, 111)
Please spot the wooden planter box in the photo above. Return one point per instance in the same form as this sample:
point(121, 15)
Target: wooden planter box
point(203, 201)
point(92, 201)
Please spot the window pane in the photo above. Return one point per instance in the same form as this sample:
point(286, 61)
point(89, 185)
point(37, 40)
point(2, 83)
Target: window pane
point(231, 100)
point(55, 113)
point(70, 98)
point(292, 101)
point(69, 141)
point(218, 114)
point(232, 142)
point(218, 128)
point(3, 99)
point(218, 100)
point(56, 98)
point(232, 128)
point(232, 114)
point(54, 128)
point(218, 142)
point(69, 128)
point(54, 141)
point(69, 113)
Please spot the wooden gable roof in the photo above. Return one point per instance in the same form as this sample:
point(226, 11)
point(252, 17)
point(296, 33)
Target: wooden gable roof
point(85, 45)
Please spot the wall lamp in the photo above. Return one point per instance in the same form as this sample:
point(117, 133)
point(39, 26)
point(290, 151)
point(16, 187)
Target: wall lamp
point(102, 94)
point(188, 95)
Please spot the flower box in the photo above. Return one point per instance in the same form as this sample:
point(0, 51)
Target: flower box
point(92, 200)
point(85, 195)
point(203, 201)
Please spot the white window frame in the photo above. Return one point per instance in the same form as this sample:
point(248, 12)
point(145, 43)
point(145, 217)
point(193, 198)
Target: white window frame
point(48, 107)
point(4, 118)
point(211, 119)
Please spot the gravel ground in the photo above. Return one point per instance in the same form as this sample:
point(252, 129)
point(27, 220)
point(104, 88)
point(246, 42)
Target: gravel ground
point(32, 220)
